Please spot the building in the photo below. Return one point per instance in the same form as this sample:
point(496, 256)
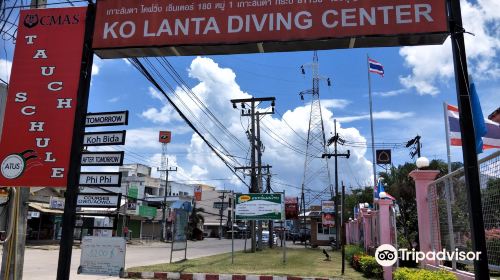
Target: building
point(143, 207)
point(217, 206)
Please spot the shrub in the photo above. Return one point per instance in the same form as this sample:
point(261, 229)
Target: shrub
point(417, 274)
point(351, 250)
point(370, 267)
point(355, 262)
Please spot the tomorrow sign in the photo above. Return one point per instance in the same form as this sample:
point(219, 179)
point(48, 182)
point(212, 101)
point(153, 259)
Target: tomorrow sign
point(152, 27)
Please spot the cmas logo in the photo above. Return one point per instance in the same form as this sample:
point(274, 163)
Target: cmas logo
point(31, 20)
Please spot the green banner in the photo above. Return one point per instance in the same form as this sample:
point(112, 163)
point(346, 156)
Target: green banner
point(259, 206)
point(133, 192)
point(147, 211)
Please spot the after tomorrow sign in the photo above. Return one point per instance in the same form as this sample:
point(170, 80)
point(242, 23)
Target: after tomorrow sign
point(154, 27)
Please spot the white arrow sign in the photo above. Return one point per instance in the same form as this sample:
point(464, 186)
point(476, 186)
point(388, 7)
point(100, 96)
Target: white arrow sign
point(107, 179)
point(104, 138)
point(97, 200)
point(106, 118)
point(102, 158)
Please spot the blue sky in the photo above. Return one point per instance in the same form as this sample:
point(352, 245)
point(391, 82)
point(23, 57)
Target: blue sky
point(407, 101)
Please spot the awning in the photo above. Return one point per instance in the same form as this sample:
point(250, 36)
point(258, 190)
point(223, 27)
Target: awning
point(44, 207)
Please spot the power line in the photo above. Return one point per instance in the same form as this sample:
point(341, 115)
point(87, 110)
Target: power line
point(145, 72)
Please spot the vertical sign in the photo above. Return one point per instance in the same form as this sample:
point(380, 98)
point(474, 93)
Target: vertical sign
point(197, 193)
point(165, 137)
point(39, 118)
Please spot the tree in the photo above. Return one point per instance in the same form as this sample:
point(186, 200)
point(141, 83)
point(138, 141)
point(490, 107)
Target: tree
point(357, 196)
point(401, 186)
point(195, 220)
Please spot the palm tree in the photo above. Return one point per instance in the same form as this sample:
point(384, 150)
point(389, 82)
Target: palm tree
point(195, 220)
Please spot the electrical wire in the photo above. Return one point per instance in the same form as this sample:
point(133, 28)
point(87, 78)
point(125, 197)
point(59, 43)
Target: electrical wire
point(138, 65)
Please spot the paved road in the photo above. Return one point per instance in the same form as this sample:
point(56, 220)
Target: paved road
point(42, 264)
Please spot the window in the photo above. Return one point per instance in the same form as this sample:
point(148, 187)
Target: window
point(323, 229)
point(148, 190)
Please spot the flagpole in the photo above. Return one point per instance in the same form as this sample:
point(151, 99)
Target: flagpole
point(371, 125)
point(447, 132)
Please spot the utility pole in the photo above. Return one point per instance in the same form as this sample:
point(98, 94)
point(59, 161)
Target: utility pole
point(164, 204)
point(343, 228)
point(221, 211)
point(415, 142)
point(335, 139)
point(254, 184)
point(270, 222)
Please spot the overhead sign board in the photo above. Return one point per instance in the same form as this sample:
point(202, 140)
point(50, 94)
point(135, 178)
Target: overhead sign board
point(41, 103)
point(165, 137)
point(383, 156)
point(327, 206)
point(147, 211)
point(157, 28)
point(98, 200)
point(106, 118)
point(104, 138)
point(106, 179)
point(259, 206)
point(328, 219)
point(102, 255)
point(102, 158)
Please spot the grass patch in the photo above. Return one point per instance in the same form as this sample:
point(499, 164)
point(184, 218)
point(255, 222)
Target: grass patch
point(300, 262)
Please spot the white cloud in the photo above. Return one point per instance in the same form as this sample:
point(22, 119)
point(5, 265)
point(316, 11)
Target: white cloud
point(383, 115)
point(431, 65)
point(215, 87)
point(391, 93)
point(5, 67)
point(335, 103)
point(114, 99)
point(166, 114)
point(96, 66)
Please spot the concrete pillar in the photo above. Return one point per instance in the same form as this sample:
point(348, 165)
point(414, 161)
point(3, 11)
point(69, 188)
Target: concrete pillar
point(367, 232)
point(384, 223)
point(423, 178)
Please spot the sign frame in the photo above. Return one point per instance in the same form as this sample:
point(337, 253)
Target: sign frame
point(119, 174)
point(121, 262)
point(119, 153)
point(118, 195)
point(122, 142)
point(263, 216)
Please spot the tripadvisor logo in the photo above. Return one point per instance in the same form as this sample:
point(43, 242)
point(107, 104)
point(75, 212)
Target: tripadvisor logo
point(387, 255)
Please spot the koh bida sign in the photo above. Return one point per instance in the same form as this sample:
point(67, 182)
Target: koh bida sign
point(154, 27)
point(42, 98)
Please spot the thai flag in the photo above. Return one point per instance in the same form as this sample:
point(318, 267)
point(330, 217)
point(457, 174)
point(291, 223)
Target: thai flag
point(491, 139)
point(375, 67)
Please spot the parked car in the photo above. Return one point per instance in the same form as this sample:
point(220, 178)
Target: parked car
point(265, 237)
point(302, 235)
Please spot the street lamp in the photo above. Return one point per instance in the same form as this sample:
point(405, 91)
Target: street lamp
point(422, 162)
point(382, 195)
